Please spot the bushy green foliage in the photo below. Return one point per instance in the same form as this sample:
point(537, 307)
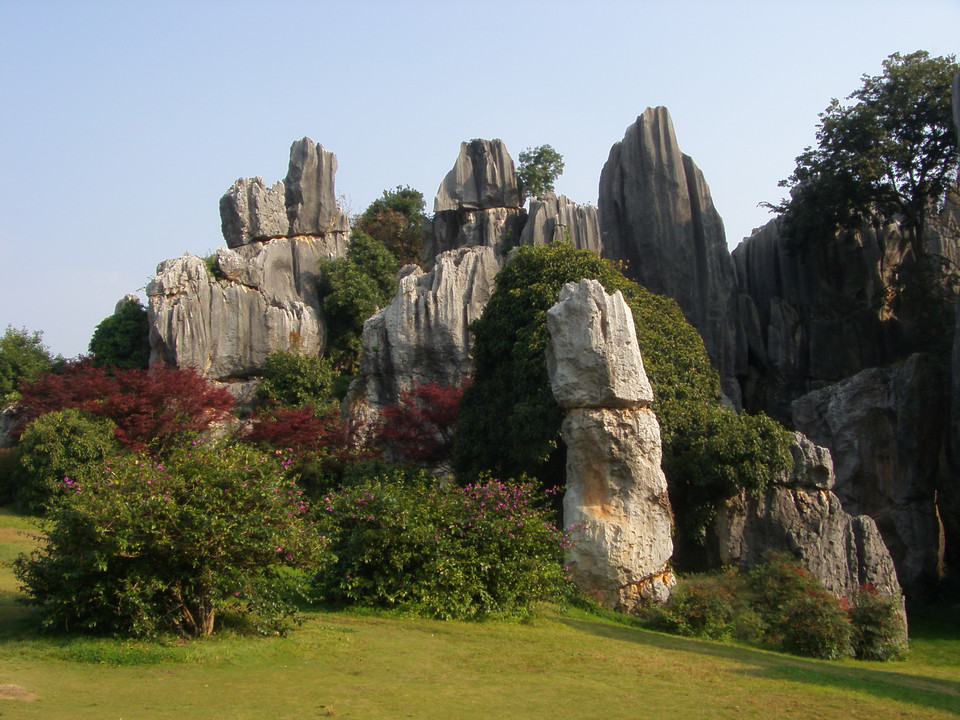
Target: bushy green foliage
point(801, 616)
point(143, 546)
point(57, 445)
point(123, 339)
point(406, 541)
point(539, 169)
point(780, 606)
point(510, 424)
point(23, 358)
point(879, 632)
point(353, 288)
point(714, 606)
point(396, 220)
point(293, 379)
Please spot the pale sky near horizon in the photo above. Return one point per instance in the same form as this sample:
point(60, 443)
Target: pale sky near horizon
point(123, 123)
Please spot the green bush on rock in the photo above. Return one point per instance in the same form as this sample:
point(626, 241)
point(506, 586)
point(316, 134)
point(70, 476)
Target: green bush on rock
point(510, 424)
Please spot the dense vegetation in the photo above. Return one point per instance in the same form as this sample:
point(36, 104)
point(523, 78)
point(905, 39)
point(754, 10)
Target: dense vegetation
point(509, 422)
point(396, 221)
point(123, 339)
point(23, 358)
point(538, 170)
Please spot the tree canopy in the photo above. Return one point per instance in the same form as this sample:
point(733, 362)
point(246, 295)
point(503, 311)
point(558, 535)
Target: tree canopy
point(539, 169)
point(396, 220)
point(891, 153)
point(123, 339)
point(23, 358)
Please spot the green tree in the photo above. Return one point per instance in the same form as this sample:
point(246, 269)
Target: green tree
point(23, 358)
point(396, 220)
point(58, 445)
point(891, 153)
point(123, 339)
point(353, 288)
point(144, 546)
point(539, 169)
point(292, 380)
point(509, 422)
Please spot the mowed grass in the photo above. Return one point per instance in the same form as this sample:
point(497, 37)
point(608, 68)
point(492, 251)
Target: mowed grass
point(366, 665)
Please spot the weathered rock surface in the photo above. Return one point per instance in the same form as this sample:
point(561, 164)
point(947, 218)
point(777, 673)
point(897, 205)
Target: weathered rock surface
point(226, 328)
point(658, 218)
point(800, 515)
point(478, 202)
point(616, 505)
point(593, 359)
point(422, 335)
point(302, 204)
point(884, 429)
point(554, 218)
point(251, 211)
point(956, 104)
point(483, 177)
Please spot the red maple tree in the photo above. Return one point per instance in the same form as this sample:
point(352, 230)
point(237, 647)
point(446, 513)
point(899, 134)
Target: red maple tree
point(420, 427)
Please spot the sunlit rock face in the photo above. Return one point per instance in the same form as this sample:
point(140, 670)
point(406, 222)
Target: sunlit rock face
point(799, 514)
point(658, 220)
point(615, 507)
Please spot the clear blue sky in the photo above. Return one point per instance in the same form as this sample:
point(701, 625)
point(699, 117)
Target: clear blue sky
point(122, 123)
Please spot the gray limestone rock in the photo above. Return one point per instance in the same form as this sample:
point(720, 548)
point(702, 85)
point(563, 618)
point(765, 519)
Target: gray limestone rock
point(226, 328)
point(454, 229)
point(250, 211)
point(658, 218)
point(423, 334)
point(483, 177)
point(883, 428)
point(302, 204)
point(593, 358)
point(615, 506)
point(956, 104)
point(310, 195)
point(554, 218)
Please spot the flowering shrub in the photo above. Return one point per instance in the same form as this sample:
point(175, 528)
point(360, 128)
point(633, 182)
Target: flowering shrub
point(879, 631)
point(440, 550)
point(142, 546)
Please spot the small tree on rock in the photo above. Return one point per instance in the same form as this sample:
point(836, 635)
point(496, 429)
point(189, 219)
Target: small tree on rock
point(539, 169)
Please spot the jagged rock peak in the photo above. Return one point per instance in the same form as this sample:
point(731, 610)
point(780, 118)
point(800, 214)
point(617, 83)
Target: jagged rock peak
point(483, 177)
point(593, 358)
point(302, 204)
point(658, 218)
point(554, 218)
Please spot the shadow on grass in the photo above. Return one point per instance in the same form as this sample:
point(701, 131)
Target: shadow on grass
point(932, 693)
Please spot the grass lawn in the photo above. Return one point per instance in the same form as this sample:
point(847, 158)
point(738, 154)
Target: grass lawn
point(363, 665)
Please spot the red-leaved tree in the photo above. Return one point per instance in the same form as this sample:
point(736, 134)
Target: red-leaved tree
point(305, 434)
point(149, 407)
point(421, 426)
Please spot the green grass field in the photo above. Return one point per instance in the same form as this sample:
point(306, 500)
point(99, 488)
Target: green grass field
point(362, 665)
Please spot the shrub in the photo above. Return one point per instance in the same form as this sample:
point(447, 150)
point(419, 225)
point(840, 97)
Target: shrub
point(123, 339)
point(420, 428)
point(322, 445)
point(150, 407)
point(143, 547)
point(801, 616)
point(438, 550)
point(713, 606)
point(292, 380)
point(61, 444)
point(879, 632)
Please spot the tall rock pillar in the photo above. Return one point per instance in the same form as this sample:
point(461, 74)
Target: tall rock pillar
point(616, 506)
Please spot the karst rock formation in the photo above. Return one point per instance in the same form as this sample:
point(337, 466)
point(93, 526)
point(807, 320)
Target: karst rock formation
point(615, 507)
